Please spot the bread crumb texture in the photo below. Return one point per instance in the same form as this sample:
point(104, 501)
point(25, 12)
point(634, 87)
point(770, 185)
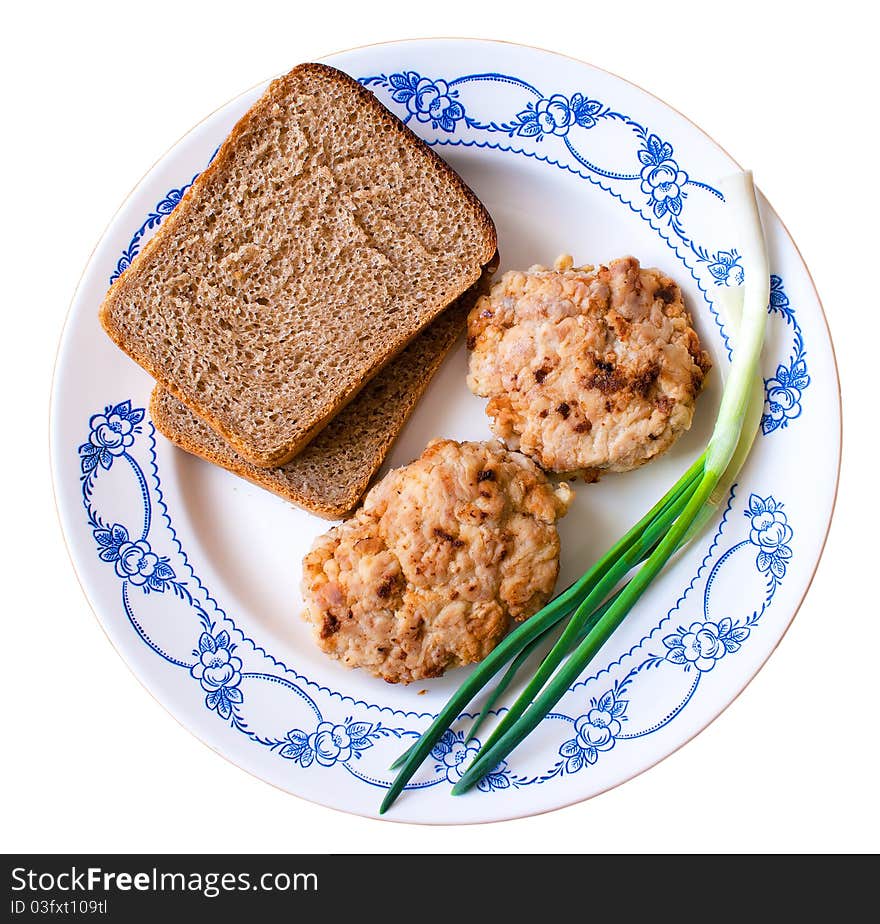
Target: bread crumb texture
point(330, 475)
point(322, 238)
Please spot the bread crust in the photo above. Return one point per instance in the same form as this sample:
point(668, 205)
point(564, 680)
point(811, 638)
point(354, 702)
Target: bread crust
point(127, 282)
point(422, 360)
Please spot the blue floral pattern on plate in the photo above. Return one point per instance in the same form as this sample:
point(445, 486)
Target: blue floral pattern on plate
point(227, 667)
point(221, 671)
point(135, 561)
point(703, 644)
point(110, 435)
point(662, 181)
point(164, 207)
point(784, 390)
point(771, 533)
point(218, 671)
point(664, 184)
point(595, 731)
point(427, 100)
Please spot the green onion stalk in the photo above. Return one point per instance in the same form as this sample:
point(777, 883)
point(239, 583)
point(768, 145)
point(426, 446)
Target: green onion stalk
point(596, 604)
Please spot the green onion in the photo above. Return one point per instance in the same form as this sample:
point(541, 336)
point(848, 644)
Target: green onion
point(489, 757)
point(504, 683)
point(523, 635)
point(676, 493)
point(671, 523)
point(520, 660)
point(637, 553)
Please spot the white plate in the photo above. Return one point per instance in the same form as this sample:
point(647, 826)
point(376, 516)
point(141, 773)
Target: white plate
point(194, 573)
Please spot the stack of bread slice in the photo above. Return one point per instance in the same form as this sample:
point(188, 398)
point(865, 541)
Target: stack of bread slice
point(296, 303)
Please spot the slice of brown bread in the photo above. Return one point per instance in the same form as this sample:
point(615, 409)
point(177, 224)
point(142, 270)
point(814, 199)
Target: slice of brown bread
point(332, 473)
point(323, 237)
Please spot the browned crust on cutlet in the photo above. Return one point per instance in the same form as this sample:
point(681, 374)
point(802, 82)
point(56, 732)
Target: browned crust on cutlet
point(129, 277)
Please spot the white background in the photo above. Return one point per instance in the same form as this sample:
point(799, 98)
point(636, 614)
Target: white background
point(94, 93)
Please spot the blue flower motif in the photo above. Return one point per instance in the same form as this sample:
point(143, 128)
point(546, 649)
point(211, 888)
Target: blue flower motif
point(297, 748)
point(783, 392)
point(164, 207)
point(135, 562)
point(219, 672)
point(771, 533)
point(127, 258)
point(329, 744)
point(555, 115)
point(783, 400)
point(455, 755)
point(726, 268)
point(703, 644)
point(596, 731)
point(586, 111)
point(778, 299)
point(111, 434)
point(172, 198)
point(428, 100)
point(662, 179)
point(499, 778)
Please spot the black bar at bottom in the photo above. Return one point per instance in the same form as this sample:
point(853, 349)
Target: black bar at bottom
point(133, 887)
